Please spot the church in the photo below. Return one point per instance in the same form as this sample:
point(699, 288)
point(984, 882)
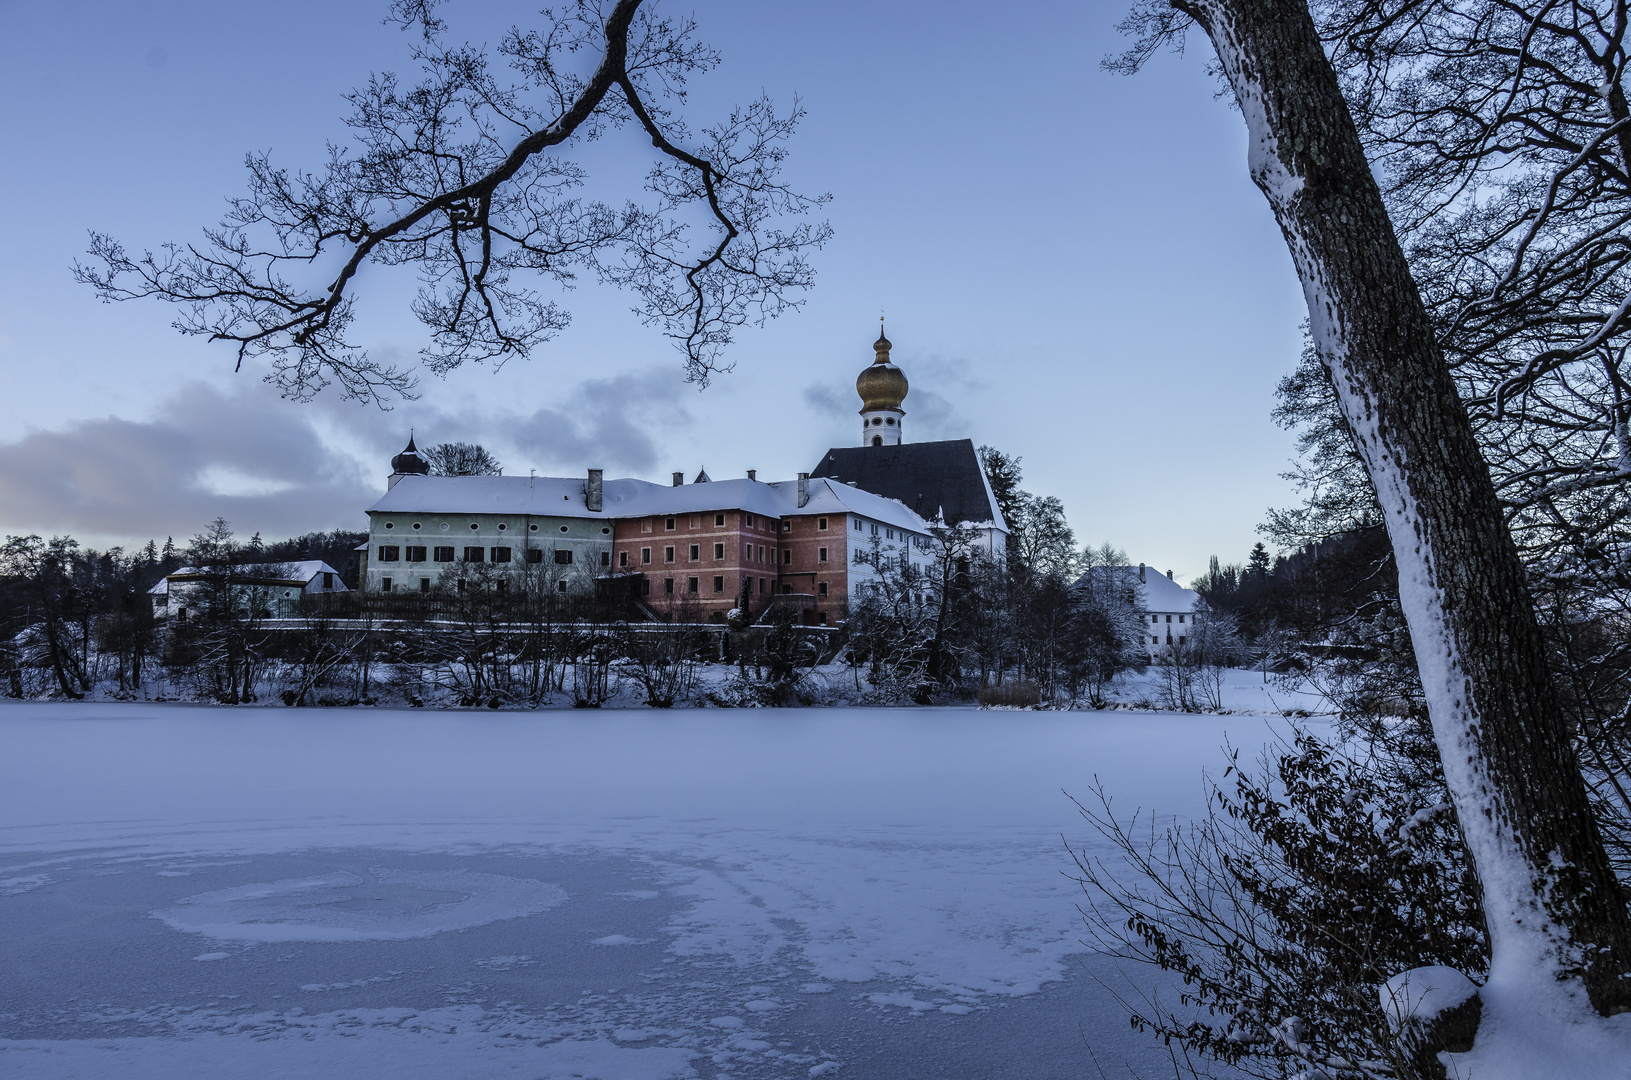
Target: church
point(694, 551)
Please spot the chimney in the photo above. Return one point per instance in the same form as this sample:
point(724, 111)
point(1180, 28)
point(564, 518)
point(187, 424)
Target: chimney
point(679, 479)
point(804, 489)
point(753, 474)
point(1169, 575)
point(1141, 573)
point(595, 491)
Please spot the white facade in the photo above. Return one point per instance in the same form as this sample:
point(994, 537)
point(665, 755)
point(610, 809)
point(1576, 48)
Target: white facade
point(882, 427)
point(272, 589)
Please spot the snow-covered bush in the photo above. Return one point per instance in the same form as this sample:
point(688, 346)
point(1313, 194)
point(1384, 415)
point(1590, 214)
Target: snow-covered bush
point(1317, 877)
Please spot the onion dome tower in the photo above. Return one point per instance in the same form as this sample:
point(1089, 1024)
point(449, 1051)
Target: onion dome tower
point(407, 463)
point(882, 387)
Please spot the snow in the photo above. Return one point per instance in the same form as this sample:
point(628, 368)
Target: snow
point(620, 894)
point(1423, 993)
point(564, 497)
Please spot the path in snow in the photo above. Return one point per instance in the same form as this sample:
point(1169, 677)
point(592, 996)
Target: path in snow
point(201, 892)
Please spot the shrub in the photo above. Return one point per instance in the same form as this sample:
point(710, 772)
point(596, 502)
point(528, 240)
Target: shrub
point(1017, 694)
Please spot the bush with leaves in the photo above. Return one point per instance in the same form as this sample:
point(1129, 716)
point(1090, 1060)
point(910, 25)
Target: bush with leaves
point(1313, 880)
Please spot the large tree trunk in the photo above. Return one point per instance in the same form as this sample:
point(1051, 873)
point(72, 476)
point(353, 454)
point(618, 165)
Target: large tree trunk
point(1557, 917)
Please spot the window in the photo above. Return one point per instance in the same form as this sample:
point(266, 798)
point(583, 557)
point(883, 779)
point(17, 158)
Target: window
point(560, 586)
point(563, 556)
point(1154, 640)
point(761, 586)
point(761, 557)
point(787, 526)
point(503, 586)
point(622, 559)
point(474, 526)
point(1180, 618)
point(857, 524)
point(668, 586)
point(384, 584)
point(1169, 618)
point(787, 590)
point(821, 523)
point(645, 525)
point(719, 584)
point(747, 521)
point(669, 525)
point(390, 553)
point(645, 586)
point(877, 440)
point(328, 578)
point(533, 527)
point(821, 588)
point(645, 556)
point(889, 533)
point(417, 525)
point(696, 552)
point(563, 528)
point(696, 521)
point(1180, 639)
point(605, 558)
point(719, 551)
point(1155, 618)
point(443, 554)
point(415, 554)
point(474, 554)
point(535, 555)
point(502, 527)
point(424, 584)
point(668, 554)
point(501, 554)
point(719, 521)
point(821, 555)
point(390, 524)
point(787, 557)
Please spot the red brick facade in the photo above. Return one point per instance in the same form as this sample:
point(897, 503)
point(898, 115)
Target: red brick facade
point(693, 565)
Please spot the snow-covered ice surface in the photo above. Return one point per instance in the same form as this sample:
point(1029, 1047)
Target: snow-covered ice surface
point(188, 891)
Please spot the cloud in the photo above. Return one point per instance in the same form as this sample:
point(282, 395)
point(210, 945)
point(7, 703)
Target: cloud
point(930, 414)
point(607, 423)
point(243, 455)
point(282, 469)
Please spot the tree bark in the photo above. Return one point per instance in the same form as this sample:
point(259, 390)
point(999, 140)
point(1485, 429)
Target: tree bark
point(1556, 916)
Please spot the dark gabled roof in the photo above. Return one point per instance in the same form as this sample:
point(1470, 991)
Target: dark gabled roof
point(933, 478)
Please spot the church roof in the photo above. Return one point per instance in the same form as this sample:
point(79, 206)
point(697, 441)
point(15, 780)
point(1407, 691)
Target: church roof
point(933, 479)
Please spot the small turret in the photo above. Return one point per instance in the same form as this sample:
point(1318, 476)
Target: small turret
point(407, 463)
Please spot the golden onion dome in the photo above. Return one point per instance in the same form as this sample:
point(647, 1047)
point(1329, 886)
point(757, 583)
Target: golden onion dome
point(881, 385)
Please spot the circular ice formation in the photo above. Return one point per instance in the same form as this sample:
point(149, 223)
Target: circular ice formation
point(386, 905)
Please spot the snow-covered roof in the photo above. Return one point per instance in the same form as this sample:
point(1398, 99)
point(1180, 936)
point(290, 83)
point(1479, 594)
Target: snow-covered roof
point(832, 497)
point(538, 495)
point(628, 498)
point(1156, 592)
point(294, 572)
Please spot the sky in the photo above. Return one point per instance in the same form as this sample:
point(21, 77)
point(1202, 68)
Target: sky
point(1074, 266)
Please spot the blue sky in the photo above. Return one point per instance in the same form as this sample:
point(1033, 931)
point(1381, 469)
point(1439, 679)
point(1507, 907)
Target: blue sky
point(1075, 268)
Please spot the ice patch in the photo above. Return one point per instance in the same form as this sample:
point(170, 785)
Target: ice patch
point(824, 1068)
point(618, 939)
point(638, 894)
point(210, 957)
point(173, 873)
point(762, 1005)
point(16, 886)
point(816, 988)
point(904, 1000)
point(394, 905)
point(730, 1022)
point(956, 1010)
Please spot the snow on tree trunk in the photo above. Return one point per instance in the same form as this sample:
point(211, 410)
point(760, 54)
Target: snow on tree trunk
point(1557, 918)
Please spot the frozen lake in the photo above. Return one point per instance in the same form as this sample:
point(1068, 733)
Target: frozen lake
point(188, 891)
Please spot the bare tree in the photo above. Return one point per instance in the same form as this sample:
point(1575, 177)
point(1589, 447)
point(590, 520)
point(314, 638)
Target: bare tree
point(461, 459)
point(1556, 916)
point(469, 176)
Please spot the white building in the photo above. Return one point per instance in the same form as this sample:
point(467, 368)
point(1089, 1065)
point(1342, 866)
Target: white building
point(266, 589)
point(1165, 610)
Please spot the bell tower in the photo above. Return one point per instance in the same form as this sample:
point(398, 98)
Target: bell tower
point(882, 387)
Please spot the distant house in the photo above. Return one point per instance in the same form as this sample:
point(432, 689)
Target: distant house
point(257, 589)
point(1166, 610)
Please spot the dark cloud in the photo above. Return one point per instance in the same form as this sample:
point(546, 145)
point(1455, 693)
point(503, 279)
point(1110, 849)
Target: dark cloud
point(829, 400)
point(243, 455)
